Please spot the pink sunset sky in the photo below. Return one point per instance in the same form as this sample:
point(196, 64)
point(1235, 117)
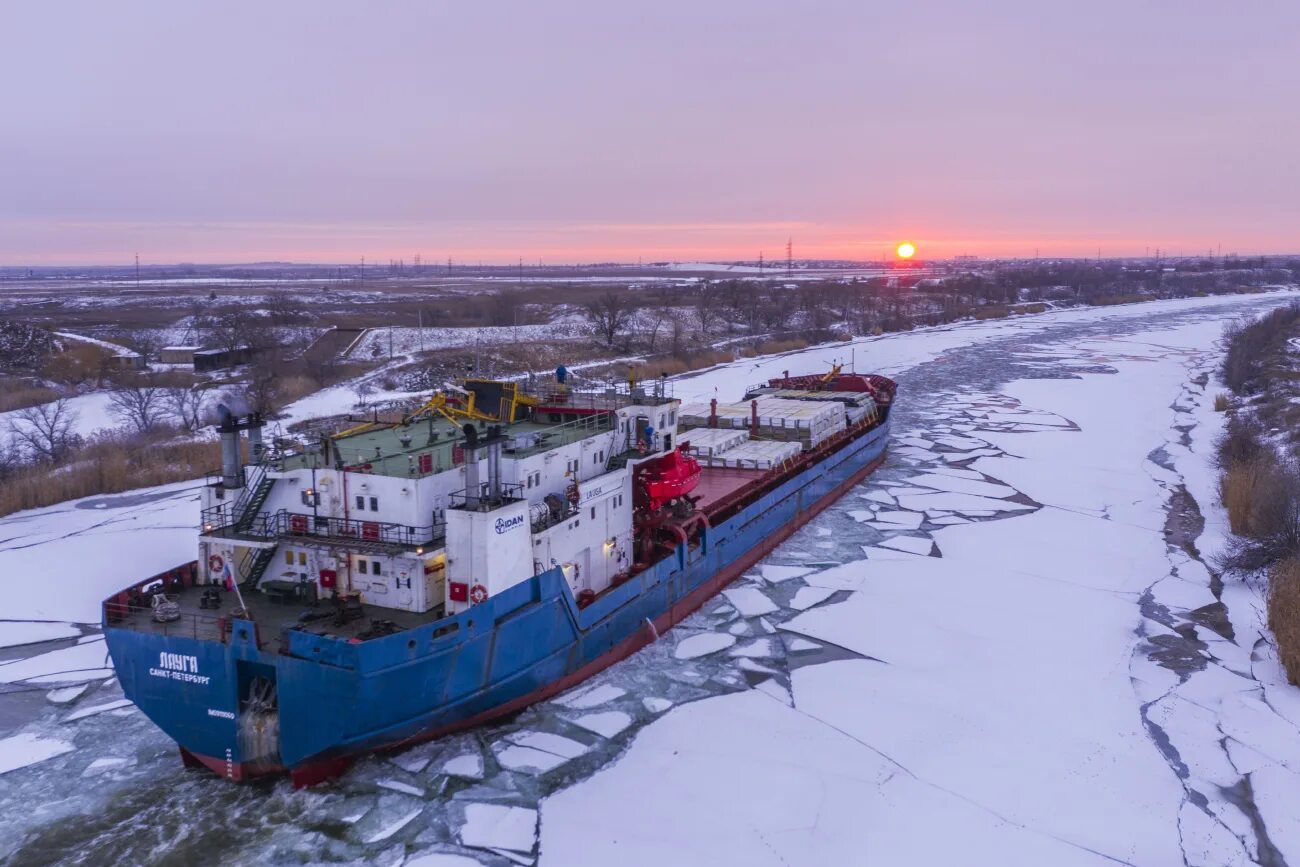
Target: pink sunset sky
point(593, 131)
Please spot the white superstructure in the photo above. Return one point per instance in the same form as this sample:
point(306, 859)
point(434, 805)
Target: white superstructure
point(422, 514)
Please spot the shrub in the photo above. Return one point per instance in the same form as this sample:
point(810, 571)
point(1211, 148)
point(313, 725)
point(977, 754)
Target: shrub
point(1250, 344)
point(1238, 489)
point(1221, 402)
point(1284, 614)
point(1262, 498)
point(107, 466)
point(1241, 442)
point(20, 397)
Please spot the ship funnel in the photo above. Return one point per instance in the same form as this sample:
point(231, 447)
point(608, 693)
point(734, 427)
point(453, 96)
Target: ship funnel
point(473, 491)
point(232, 473)
point(255, 446)
point(494, 464)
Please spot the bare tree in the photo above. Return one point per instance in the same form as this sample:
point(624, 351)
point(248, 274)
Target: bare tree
point(283, 308)
point(46, 431)
point(610, 314)
point(186, 405)
point(148, 343)
point(11, 457)
point(140, 406)
point(708, 310)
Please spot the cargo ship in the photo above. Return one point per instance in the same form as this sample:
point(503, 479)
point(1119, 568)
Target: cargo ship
point(418, 574)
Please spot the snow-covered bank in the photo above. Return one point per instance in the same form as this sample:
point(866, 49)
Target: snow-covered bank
point(92, 415)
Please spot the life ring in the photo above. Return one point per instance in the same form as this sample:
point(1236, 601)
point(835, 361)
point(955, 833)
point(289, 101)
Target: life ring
point(215, 563)
point(478, 593)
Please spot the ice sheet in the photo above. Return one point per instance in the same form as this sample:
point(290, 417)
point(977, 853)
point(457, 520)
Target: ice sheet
point(78, 662)
point(14, 633)
point(26, 749)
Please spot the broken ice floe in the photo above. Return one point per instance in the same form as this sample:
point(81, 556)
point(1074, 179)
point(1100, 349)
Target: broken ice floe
point(590, 696)
point(944, 482)
point(495, 826)
point(607, 724)
point(537, 751)
point(66, 694)
point(757, 649)
point(909, 544)
point(963, 503)
point(900, 520)
point(74, 664)
point(749, 601)
point(777, 574)
point(25, 749)
point(807, 597)
point(469, 766)
point(391, 827)
point(105, 765)
point(399, 786)
point(92, 710)
point(656, 705)
point(702, 644)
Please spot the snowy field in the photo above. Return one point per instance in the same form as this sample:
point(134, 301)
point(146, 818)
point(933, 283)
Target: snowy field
point(395, 341)
point(1006, 648)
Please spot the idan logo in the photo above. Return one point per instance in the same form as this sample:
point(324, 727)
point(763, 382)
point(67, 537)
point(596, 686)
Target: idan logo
point(505, 525)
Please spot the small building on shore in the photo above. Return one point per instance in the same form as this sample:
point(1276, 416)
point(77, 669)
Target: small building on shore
point(177, 354)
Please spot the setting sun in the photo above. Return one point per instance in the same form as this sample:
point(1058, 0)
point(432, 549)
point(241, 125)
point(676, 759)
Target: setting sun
point(906, 250)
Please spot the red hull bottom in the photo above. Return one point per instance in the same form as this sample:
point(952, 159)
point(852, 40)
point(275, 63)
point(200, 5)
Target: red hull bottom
point(311, 773)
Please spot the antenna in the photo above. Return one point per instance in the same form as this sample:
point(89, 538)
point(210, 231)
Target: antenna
point(789, 257)
point(760, 263)
point(137, 271)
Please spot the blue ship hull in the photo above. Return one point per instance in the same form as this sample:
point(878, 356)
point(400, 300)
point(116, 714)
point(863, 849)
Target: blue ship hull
point(338, 699)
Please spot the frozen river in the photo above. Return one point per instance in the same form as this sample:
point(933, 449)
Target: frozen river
point(1008, 647)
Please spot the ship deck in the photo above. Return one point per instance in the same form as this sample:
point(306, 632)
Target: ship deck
point(271, 615)
point(720, 483)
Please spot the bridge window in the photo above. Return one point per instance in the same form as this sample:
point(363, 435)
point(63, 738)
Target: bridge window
point(362, 566)
point(374, 504)
point(361, 503)
point(376, 568)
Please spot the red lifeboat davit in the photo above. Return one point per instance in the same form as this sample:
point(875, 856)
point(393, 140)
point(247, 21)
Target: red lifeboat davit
point(666, 478)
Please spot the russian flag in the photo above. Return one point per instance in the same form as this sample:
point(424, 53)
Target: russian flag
point(230, 578)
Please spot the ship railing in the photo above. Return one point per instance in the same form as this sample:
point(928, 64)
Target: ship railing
point(286, 524)
point(132, 608)
point(484, 500)
point(591, 396)
point(139, 618)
